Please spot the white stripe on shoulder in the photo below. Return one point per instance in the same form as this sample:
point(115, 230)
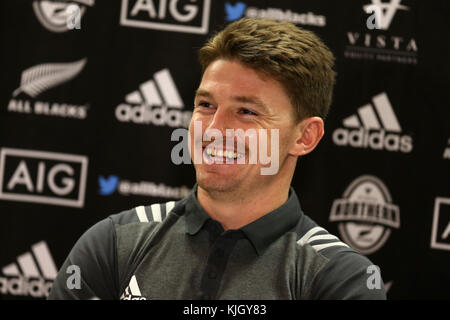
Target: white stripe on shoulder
point(308, 235)
point(323, 237)
point(156, 212)
point(169, 207)
point(142, 216)
point(319, 247)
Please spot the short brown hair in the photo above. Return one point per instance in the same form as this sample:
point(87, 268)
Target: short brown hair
point(295, 57)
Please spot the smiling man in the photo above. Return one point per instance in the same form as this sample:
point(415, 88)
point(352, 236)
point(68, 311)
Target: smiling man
point(235, 96)
point(240, 234)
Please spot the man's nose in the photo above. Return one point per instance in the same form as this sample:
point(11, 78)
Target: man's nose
point(221, 120)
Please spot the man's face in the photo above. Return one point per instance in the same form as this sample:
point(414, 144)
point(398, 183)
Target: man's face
point(233, 96)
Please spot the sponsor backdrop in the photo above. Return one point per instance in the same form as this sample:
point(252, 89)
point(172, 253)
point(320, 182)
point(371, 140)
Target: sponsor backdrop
point(92, 91)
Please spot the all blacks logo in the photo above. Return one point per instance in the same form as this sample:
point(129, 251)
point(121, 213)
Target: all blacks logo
point(365, 214)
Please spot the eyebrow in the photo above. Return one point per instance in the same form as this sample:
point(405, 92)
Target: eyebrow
point(203, 93)
point(243, 99)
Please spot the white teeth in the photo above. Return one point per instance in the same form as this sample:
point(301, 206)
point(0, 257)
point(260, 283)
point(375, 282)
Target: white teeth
point(229, 154)
point(221, 153)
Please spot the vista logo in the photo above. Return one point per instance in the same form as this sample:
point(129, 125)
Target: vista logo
point(108, 185)
point(188, 16)
point(377, 44)
point(375, 128)
point(43, 177)
point(384, 11)
point(148, 106)
point(53, 15)
point(35, 276)
point(365, 214)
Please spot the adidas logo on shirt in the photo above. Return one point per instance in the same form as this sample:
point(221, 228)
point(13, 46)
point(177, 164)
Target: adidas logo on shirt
point(156, 102)
point(33, 274)
point(375, 127)
point(132, 292)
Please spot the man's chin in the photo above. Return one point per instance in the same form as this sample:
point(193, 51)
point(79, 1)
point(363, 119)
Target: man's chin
point(217, 185)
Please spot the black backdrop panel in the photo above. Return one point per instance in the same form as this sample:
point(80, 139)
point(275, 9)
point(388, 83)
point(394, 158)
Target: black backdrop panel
point(86, 117)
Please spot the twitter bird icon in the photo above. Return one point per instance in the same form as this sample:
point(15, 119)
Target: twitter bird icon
point(234, 12)
point(109, 185)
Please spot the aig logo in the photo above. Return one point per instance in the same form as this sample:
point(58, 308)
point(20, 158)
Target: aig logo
point(189, 16)
point(43, 177)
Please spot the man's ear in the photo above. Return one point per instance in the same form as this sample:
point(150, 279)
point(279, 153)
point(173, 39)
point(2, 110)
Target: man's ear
point(309, 132)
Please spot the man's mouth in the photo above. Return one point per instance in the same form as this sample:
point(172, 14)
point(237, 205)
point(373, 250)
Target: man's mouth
point(214, 152)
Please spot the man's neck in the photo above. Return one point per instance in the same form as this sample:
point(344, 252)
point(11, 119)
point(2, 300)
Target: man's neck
point(234, 212)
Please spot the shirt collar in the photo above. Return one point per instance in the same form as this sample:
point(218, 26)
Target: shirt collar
point(261, 232)
point(195, 215)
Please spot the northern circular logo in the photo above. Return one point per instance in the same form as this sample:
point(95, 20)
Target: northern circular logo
point(365, 214)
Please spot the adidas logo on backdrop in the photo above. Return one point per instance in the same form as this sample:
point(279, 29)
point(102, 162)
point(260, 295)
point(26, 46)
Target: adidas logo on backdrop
point(156, 102)
point(36, 274)
point(375, 127)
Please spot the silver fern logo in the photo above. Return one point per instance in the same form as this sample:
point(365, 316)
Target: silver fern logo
point(48, 75)
point(56, 16)
point(43, 77)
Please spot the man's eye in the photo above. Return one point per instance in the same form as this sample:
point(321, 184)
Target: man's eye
point(247, 112)
point(205, 104)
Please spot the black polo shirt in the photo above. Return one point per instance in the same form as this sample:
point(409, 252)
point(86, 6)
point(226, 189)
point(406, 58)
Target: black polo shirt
point(176, 251)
